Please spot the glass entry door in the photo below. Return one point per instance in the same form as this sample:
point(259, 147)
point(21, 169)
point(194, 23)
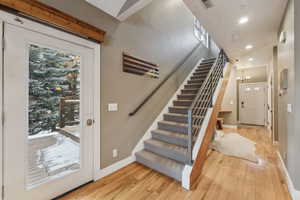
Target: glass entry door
point(48, 129)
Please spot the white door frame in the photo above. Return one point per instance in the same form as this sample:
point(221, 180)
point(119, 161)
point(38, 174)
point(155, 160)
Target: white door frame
point(1, 111)
point(53, 32)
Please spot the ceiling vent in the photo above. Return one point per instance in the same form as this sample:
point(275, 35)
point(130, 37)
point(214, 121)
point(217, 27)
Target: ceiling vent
point(207, 3)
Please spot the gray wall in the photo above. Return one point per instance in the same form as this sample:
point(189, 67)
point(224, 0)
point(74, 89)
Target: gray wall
point(286, 60)
point(293, 160)
point(288, 123)
point(230, 99)
point(162, 32)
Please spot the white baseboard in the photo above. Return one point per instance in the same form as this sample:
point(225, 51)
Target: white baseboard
point(295, 194)
point(230, 126)
point(140, 144)
point(114, 167)
point(185, 179)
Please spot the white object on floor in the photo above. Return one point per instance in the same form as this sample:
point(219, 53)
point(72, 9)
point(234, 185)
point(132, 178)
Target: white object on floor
point(233, 144)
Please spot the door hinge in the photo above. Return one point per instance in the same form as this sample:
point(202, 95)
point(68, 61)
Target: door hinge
point(3, 117)
point(3, 43)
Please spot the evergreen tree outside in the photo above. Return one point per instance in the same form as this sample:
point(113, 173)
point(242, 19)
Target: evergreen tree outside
point(53, 75)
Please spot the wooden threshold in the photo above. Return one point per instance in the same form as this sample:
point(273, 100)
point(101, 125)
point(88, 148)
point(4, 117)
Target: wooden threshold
point(52, 16)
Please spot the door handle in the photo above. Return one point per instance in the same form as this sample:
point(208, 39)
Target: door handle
point(90, 122)
point(243, 104)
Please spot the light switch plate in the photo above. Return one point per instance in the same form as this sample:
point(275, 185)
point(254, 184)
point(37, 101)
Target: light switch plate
point(112, 107)
point(289, 108)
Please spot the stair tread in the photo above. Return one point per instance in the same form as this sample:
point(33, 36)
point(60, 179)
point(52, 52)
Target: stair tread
point(173, 134)
point(166, 161)
point(170, 133)
point(186, 95)
point(176, 123)
point(165, 145)
point(180, 115)
point(162, 164)
point(182, 107)
point(190, 89)
point(193, 84)
point(183, 100)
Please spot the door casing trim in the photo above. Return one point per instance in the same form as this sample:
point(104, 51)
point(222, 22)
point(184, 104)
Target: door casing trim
point(9, 18)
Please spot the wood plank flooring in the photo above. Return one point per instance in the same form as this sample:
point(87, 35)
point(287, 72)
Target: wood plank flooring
point(223, 178)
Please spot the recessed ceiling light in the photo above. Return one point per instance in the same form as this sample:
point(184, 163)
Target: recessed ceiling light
point(249, 46)
point(250, 59)
point(243, 20)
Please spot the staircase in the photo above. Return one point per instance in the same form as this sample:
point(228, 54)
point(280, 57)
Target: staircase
point(168, 150)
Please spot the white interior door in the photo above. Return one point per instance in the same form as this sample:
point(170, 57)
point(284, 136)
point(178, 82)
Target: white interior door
point(48, 107)
point(252, 103)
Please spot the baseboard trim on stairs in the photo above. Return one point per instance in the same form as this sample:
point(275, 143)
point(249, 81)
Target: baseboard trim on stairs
point(295, 194)
point(230, 126)
point(140, 144)
point(101, 173)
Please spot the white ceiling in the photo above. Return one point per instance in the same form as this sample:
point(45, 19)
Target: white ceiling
point(221, 21)
point(261, 57)
point(120, 9)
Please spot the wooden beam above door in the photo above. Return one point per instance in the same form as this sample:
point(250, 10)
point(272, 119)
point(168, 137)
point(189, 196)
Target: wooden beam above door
point(55, 17)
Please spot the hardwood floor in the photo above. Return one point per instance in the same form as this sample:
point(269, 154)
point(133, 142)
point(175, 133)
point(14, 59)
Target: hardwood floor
point(223, 178)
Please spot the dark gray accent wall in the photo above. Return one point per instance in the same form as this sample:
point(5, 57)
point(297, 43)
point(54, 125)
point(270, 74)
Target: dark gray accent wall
point(162, 32)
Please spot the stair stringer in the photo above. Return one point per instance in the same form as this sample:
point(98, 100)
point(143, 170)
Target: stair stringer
point(186, 173)
point(154, 125)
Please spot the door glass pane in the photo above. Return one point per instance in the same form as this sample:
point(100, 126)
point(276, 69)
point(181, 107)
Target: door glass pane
point(53, 115)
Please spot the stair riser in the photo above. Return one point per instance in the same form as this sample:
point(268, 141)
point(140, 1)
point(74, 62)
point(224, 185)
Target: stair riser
point(174, 128)
point(201, 73)
point(191, 91)
point(186, 97)
point(195, 81)
point(182, 103)
point(178, 119)
point(178, 110)
point(203, 69)
point(198, 78)
point(166, 153)
point(170, 139)
point(207, 63)
point(192, 86)
point(159, 167)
